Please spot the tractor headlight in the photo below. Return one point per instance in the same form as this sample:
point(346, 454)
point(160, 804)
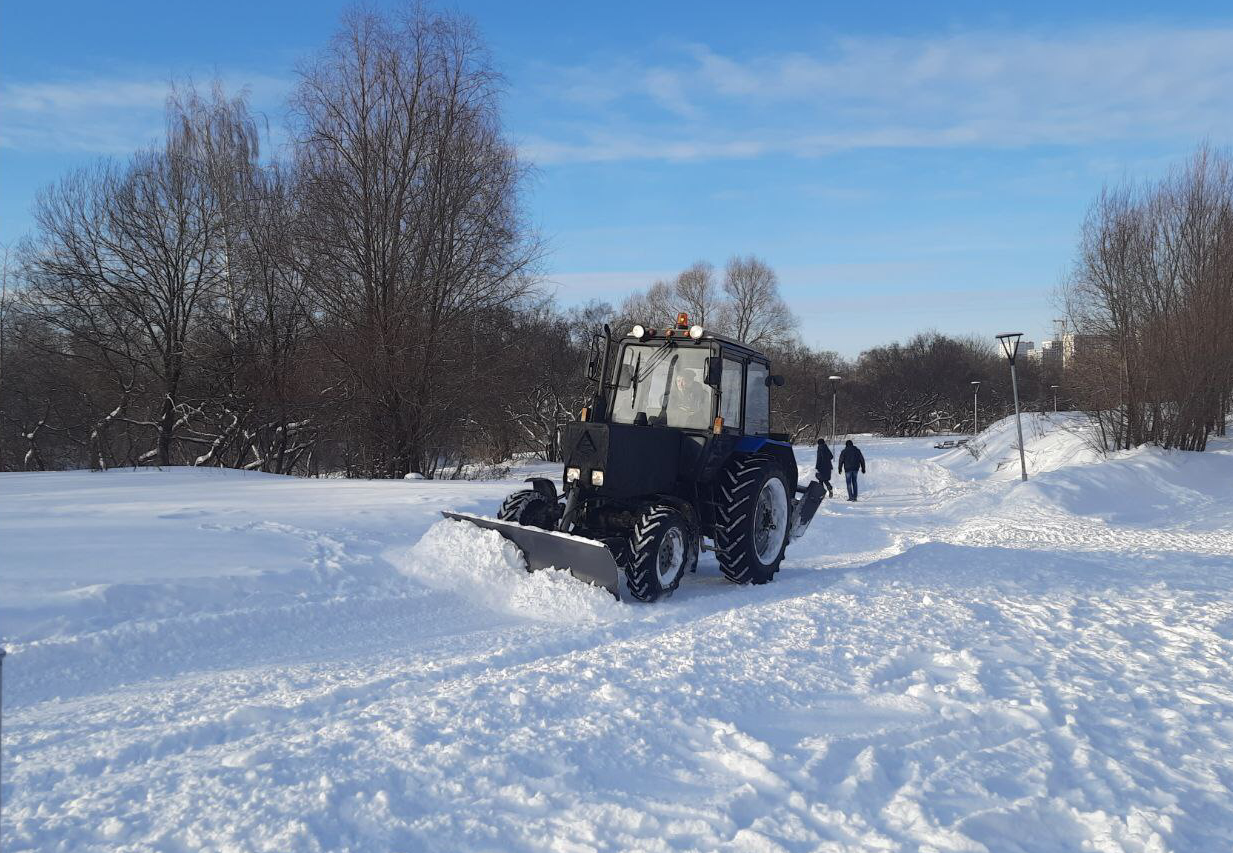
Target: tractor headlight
point(572, 475)
point(597, 478)
point(695, 332)
point(638, 331)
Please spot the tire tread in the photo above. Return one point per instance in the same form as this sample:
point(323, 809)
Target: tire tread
point(640, 574)
point(739, 484)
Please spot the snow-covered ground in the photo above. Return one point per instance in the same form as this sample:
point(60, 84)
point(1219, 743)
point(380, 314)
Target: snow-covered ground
point(214, 660)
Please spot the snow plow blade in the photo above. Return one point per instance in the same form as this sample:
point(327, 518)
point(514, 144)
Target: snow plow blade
point(585, 559)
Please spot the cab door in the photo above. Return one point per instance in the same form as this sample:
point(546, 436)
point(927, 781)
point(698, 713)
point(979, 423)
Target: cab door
point(729, 407)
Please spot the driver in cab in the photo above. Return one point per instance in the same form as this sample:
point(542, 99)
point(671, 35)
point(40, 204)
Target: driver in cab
point(690, 394)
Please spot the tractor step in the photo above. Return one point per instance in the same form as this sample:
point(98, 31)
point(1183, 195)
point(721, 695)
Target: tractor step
point(585, 559)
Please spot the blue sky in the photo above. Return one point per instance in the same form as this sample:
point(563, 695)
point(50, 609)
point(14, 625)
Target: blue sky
point(904, 166)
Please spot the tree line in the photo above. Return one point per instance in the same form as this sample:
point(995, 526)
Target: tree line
point(1151, 299)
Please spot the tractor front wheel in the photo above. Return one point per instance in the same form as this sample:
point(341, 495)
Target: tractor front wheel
point(752, 516)
point(528, 508)
point(660, 549)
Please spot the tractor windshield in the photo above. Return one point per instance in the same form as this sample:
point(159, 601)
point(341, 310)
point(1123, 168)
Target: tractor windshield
point(662, 386)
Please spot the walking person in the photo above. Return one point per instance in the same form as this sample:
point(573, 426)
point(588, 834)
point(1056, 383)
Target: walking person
point(850, 461)
point(825, 465)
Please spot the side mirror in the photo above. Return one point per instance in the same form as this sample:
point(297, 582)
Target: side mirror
point(774, 379)
point(714, 371)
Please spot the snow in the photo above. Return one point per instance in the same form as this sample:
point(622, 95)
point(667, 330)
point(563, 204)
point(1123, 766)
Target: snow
point(485, 568)
point(220, 660)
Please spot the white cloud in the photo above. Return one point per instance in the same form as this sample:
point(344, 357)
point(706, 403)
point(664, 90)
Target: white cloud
point(103, 115)
point(58, 97)
point(973, 89)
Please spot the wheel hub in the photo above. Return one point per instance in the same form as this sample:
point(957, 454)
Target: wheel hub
point(671, 556)
point(770, 520)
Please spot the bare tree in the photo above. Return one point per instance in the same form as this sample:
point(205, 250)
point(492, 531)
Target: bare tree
point(1151, 298)
point(698, 293)
point(754, 312)
point(411, 223)
point(655, 307)
point(219, 137)
point(126, 262)
point(747, 306)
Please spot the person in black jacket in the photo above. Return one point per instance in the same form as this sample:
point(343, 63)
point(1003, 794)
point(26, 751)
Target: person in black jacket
point(850, 460)
point(825, 465)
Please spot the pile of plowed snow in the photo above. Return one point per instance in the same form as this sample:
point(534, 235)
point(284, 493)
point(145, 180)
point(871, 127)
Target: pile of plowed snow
point(485, 568)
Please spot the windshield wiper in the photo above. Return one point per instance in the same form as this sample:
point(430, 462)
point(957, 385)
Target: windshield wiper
point(663, 403)
point(633, 386)
point(654, 360)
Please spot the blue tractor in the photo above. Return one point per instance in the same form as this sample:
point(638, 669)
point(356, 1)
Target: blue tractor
point(673, 456)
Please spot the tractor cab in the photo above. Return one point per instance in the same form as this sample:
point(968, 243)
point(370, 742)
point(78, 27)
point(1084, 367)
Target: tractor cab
point(686, 378)
point(672, 405)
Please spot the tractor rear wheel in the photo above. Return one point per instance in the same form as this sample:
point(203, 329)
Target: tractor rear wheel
point(752, 516)
point(528, 508)
point(660, 548)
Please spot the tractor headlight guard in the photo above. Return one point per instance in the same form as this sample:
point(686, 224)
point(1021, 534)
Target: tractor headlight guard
point(573, 475)
point(597, 478)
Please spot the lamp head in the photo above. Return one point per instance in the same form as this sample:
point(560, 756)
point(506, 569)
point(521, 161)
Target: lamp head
point(1010, 344)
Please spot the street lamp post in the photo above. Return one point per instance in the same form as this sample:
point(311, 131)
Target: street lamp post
point(834, 396)
point(1054, 387)
point(975, 389)
point(1010, 346)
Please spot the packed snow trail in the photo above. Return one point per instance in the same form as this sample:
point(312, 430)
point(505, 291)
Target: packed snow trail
point(216, 661)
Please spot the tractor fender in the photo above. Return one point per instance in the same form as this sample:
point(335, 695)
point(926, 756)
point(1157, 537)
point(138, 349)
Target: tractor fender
point(544, 486)
point(780, 451)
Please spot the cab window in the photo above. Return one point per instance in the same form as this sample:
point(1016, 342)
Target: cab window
point(757, 400)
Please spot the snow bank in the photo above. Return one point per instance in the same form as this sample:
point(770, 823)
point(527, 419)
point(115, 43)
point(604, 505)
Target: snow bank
point(483, 567)
point(1052, 440)
point(1147, 487)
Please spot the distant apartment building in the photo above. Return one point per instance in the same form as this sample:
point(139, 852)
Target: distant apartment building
point(1048, 353)
point(1063, 348)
